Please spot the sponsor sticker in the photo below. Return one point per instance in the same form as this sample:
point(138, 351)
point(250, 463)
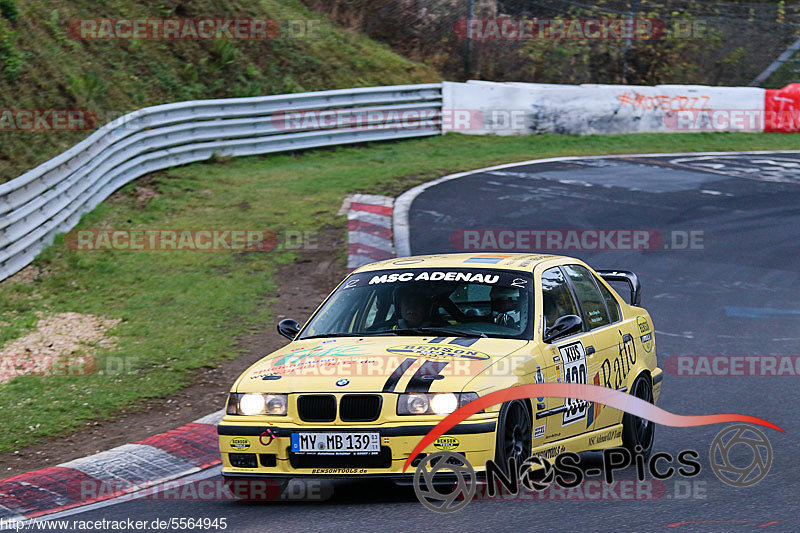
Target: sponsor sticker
point(603, 438)
point(550, 453)
point(539, 378)
point(240, 443)
point(338, 470)
point(304, 354)
point(646, 333)
point(467, 277)
point(538, 432)
point(432, 351)
point(446, 442)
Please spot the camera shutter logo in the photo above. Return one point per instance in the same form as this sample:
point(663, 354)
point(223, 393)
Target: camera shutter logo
point(723, 456)
point(538, 473)
point(450, 463)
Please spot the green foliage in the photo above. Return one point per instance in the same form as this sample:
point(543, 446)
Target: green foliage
point(11, 59)
point(9, 10)
point(119, 76)
point(694, 41)
point(88, 88)
point(54, 23)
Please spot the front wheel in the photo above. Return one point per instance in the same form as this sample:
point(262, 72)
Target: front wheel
point(638, 433)
point(514, 434)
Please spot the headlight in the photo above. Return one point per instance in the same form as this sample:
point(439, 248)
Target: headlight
point(444, 404)
point(255, 404)
point(441, 403)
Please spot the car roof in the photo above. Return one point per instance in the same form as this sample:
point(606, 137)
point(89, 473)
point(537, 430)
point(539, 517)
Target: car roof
point(505, 261)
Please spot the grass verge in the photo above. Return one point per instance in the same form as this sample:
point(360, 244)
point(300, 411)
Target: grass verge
point(182, 311)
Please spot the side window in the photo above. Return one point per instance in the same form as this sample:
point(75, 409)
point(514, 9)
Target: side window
point(593, 303)
point(556, 297)
point(611, 302)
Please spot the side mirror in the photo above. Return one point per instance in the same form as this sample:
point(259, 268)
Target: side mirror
point(564, 326)
point(289, 328)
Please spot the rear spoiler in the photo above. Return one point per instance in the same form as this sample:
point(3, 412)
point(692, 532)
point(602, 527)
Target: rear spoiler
point(630, 278)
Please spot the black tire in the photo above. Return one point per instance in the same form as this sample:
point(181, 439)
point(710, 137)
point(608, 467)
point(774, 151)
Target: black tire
point(638, 432)
point(514, 434)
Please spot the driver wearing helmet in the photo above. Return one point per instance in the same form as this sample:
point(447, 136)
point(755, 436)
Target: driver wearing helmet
point(505, 307)
point(415, 310)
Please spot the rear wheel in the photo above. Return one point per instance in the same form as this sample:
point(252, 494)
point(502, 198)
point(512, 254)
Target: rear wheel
point(638, 433)
point(514, 434)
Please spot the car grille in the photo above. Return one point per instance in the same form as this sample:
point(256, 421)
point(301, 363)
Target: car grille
point(316, 407)
point(360, 407)
point(383, 459)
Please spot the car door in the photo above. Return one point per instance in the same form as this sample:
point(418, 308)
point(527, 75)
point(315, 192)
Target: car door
point(569, 359)
point(615, 352)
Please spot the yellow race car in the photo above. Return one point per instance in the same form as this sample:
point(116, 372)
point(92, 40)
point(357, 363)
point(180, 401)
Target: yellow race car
point(402, 343)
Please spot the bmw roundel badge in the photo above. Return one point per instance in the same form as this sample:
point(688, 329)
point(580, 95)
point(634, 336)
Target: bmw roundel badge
point(342, 382)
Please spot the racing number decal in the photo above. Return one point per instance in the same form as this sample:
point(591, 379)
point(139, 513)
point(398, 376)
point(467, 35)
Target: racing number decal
point(573, 357)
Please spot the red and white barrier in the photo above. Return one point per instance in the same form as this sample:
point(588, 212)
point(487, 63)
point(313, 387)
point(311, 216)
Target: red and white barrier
point(525, 108)
point(369, 225)
point(782, 109)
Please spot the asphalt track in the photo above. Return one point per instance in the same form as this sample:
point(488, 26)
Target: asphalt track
point(735, 294)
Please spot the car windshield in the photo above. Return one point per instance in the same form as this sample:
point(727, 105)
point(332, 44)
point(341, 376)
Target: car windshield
point(443, 303)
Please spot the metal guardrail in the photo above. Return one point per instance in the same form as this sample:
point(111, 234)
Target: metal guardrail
point(51, 198)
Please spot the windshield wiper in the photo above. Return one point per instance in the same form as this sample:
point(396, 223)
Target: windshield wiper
point(327, 335)
point(437, 331)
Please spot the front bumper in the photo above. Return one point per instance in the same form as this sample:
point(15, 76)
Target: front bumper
point(271, 455)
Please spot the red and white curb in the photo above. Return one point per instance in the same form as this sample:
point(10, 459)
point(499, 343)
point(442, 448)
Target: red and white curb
point(106, 475)
point(369, 229)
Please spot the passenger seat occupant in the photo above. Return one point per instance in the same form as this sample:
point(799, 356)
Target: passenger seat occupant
point(505, 307)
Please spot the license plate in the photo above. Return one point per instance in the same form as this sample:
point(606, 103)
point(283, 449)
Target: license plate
point(365, 443)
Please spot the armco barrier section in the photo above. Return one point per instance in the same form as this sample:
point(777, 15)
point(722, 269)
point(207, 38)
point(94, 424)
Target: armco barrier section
point(51, 198)
point(524, 108)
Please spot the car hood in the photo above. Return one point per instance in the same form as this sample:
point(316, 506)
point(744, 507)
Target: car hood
point(375, 364)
